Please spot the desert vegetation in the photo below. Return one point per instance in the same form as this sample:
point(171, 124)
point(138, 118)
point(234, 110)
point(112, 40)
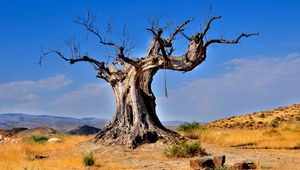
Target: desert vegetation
point(34, 153)
point(89, 160)
point(278, 129)
point(269, 146)
point(285, 137)
point(185, 150)
point(269, 118)
point(37, 138)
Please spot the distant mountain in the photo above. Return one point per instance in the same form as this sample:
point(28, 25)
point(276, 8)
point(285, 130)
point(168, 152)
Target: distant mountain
point(42, 130)
point(13, 120)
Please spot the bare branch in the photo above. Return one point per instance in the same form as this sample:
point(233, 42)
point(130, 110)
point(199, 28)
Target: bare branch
point(74, 47)
point(127, 59)
point(51, 51)
point(177, 30)
point(108, 30)
point(152, 31)
point(88, 23)
point(127, 43)
point(222, 41)
point(72, 60)
point(153, 22)
point(184, 35)
point(208, 25)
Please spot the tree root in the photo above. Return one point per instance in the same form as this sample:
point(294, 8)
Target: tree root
point(137, 136)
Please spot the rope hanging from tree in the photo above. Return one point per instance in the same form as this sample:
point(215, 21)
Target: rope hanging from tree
point(165, 80)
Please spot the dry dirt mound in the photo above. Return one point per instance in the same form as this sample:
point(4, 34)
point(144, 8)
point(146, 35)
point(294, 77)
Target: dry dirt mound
point(43, 130)
point(269, 118)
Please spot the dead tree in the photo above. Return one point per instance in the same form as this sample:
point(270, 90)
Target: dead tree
point(135, 121)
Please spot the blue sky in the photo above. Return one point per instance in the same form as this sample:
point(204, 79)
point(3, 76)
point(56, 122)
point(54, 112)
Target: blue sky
point(259, 73)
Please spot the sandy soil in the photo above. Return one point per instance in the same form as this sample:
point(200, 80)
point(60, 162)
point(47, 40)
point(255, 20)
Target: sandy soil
point(151, 157)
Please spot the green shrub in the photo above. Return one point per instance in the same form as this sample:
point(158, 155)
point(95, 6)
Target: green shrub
point(184, 150)
point(185, 127)
point(274, 123)
point(37, 139)
point(89, 160)
point(262, 115)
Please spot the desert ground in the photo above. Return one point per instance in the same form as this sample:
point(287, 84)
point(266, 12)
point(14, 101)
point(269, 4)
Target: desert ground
point(271, 146)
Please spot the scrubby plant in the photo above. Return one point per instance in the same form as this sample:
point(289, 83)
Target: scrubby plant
point(191, 130)
point(264, 166)
point(25, 168)
point(274, 123)
point(184, 150)
point(222, 168)
point(262, 115)
point(37, 139)
point(89, 160)
point(192, 134)
point(30, 157)
point(271, 132)
point(185, 127)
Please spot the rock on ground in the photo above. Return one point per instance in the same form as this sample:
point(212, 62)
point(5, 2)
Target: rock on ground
point(54, 140)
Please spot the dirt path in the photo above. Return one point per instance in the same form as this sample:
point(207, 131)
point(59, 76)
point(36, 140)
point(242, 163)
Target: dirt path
point(150, 156)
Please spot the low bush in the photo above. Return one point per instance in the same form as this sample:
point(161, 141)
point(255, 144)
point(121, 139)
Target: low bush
point(185, 127)
point(262, 115)
point(37, 139)
point(184, 150)
point(274, 123)
point(89, 160)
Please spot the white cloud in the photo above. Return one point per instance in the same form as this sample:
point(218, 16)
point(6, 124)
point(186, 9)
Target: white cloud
point(248, 85)
point(93, 99)
point(26, 89)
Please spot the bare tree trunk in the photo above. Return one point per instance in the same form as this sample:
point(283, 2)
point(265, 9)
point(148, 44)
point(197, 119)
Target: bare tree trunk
point(136, 121)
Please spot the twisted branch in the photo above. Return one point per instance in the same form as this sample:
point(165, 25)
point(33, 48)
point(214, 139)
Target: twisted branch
point(222, 41)
point(207, 27)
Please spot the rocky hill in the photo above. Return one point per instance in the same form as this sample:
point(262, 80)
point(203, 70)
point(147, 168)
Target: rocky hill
point(42, 130)
point(84, 130)
point(268, 118)
point(14, 120)
point(11, 132)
